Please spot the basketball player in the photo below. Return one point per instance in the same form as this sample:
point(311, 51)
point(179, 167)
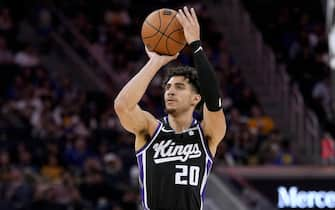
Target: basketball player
point(175, 154)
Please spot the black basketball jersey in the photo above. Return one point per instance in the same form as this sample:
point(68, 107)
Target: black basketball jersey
point(173, 168)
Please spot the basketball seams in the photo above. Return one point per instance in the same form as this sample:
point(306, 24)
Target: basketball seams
point(159, 28)
point(152, 26)
point(160, 21)
point(166, 28)
point(158, 31)
point(166, 46)
point(169, 36)
point(160, 24)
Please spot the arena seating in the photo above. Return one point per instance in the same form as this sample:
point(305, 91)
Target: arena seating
point(63, 148)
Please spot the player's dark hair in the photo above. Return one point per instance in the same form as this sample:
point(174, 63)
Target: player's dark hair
point(186, 71)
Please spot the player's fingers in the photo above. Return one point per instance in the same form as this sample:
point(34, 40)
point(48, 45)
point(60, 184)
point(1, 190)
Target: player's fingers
point(181, 17)
point(188, 15)
point(194, 16)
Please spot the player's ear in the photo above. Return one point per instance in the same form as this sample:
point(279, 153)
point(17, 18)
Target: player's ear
point(196, 98)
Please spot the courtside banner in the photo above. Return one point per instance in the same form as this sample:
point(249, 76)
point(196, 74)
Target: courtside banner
point(295, 193)
point(288, 188)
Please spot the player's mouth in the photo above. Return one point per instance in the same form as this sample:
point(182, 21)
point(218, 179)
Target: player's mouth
point(169, 101)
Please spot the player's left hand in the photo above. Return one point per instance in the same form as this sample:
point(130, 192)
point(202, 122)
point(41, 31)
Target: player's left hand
point(160, 59)
point(188, 19)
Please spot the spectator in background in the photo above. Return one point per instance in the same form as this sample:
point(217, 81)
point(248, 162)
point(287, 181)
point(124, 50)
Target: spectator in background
point(322, 99)
point(24, 157)
point(259, 122)
point(52, 169)
point(246, 101)
point(6, 56)
point(27, 57)
point(113, 170)
point(18, 191)
point(327, 149)
point(77, 153)
point(242, 147)
point(275, 150)
point(94, 186)
point(44, 21)
point(62, 194)
point(235, 121)
point(5, 164)
point(6, 23)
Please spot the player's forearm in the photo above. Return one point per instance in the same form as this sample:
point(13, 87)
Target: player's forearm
point(209, 87)
point(133, 91)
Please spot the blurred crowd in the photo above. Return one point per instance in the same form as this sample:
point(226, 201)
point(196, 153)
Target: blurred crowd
point(63, 148)
point(114, 34)
point(296, 31)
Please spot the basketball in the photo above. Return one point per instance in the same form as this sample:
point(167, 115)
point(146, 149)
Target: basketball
point(162, 32)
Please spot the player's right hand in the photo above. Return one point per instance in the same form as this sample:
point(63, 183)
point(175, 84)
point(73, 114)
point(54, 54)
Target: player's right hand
point(188, 19)
point(161, 59)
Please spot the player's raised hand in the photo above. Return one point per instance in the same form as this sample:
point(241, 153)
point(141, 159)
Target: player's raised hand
point(161, 59)
point(188, 19)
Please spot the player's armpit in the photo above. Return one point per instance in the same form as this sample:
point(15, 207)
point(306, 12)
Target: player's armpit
point(136, 120)
point(214, 126)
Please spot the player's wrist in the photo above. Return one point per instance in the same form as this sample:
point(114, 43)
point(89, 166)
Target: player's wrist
point(155, 61)
point(195, 45)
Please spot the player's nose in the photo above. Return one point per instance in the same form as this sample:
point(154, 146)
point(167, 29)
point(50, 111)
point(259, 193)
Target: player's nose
point(170, 93)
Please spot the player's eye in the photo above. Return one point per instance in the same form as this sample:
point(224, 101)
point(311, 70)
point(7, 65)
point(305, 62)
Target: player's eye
point(167, 87)
point(180, 87)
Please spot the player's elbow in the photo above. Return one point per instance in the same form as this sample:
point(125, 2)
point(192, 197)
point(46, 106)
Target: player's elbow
point(223, 131)
point(120, 106)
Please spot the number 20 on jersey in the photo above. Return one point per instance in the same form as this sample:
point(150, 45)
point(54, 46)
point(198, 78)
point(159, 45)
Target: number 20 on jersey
point(187, 175)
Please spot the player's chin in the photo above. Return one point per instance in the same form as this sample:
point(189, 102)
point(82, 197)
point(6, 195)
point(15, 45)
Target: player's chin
point(170, 110)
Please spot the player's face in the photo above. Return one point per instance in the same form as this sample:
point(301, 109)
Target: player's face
point(179, 96)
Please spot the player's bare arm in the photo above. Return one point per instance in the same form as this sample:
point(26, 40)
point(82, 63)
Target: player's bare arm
point(131, 116)
point(214, 123)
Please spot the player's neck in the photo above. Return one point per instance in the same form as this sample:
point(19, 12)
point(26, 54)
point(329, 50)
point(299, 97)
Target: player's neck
point(180, 123)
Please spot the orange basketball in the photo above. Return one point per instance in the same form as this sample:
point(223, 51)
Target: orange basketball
point(162, 32)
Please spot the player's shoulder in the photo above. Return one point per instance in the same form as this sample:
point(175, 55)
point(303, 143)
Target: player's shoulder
point(152, 124)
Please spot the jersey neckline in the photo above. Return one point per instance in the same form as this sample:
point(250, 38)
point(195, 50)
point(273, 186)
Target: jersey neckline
point(170, 129)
